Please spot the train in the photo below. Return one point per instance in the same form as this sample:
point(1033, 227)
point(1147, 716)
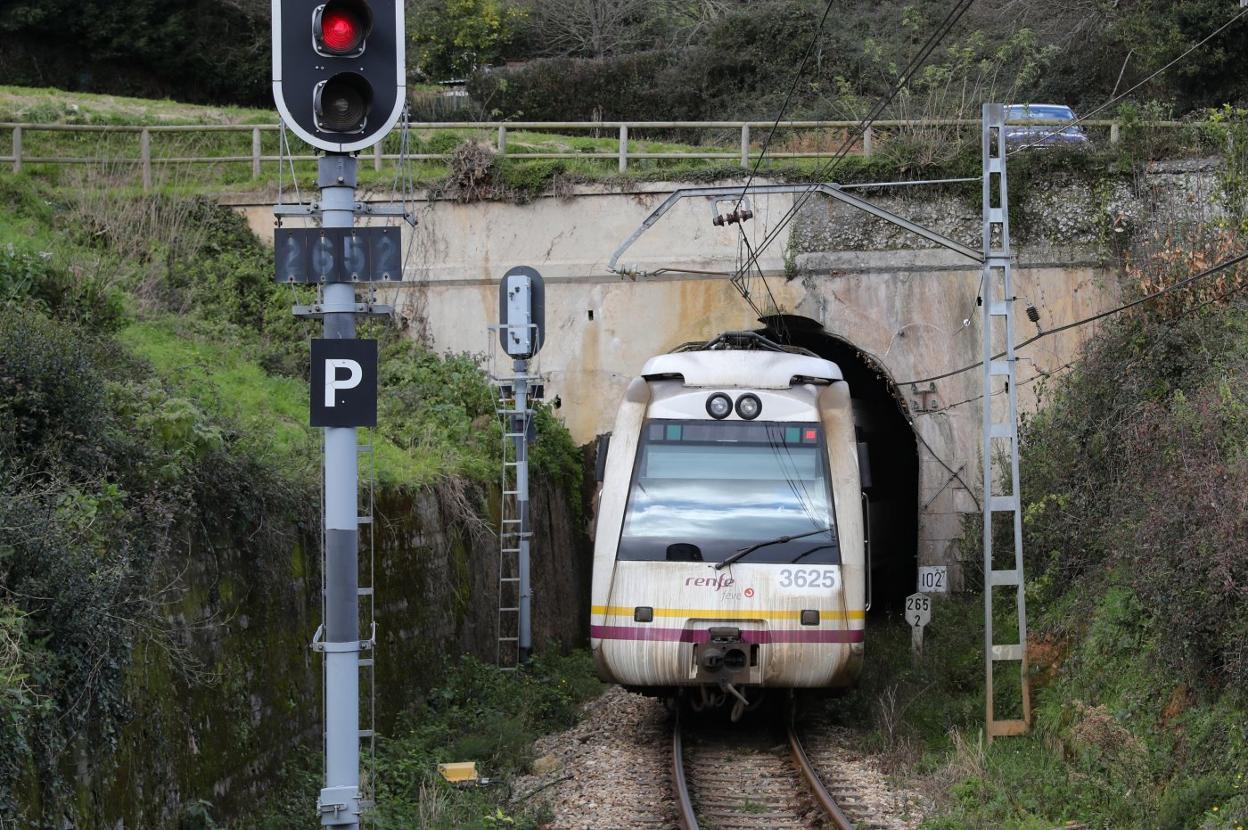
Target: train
point(731, 549)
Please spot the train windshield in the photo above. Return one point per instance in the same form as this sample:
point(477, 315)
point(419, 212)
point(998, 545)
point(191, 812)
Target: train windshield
point(703, 490)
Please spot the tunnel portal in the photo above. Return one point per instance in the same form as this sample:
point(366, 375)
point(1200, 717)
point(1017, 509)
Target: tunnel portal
point(880, 423)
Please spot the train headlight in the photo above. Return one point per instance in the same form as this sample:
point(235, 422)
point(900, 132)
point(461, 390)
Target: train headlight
point(719, 406)
point(749, 406)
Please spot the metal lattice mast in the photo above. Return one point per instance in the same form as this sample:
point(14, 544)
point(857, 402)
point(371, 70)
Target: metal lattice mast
point(998, 306)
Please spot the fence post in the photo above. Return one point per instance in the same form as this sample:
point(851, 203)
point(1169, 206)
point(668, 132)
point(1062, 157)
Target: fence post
point(502, 140)
point(623, 148)
point(17, 149)
point(868, 142)
point(255, 152)
point(145, 157)
point(377, 154)
point(745, 145)
point(1113, 133)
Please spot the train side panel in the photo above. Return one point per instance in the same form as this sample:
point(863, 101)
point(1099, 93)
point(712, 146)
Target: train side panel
point(609, 518)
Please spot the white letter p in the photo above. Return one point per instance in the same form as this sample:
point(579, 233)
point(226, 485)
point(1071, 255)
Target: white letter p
point(332, 383)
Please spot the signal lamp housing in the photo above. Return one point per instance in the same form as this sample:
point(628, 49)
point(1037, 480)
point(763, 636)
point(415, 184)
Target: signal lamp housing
point(749, 406)
point(719, 406)
point(343, 103)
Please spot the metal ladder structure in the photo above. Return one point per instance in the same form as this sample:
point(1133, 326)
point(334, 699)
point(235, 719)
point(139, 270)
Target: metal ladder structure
point(515, 414)
point(998, 307)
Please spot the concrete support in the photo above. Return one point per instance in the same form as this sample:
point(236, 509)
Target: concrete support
point(339, 803)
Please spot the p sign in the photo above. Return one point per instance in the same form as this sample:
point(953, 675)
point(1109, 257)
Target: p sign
point(344, 383)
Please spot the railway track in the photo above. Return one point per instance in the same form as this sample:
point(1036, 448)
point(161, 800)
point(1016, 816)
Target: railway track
point(738, 780)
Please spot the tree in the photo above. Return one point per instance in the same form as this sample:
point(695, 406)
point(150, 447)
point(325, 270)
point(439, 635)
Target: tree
point(592, 28)
point(451, 38)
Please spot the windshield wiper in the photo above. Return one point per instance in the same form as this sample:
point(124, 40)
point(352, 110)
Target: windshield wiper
point(779, 540)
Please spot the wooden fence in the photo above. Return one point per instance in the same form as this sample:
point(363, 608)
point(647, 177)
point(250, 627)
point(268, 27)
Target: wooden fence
point(749, 132)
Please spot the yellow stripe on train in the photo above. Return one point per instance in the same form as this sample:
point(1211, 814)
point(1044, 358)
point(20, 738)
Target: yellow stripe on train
point(722, 614)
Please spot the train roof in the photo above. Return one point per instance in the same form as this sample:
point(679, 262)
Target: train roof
point(747, 368)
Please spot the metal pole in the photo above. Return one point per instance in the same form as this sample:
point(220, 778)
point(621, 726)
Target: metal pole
point(340, 800)
point(525, 632)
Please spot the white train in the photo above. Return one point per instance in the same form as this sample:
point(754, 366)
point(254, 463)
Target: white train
point(730, 548)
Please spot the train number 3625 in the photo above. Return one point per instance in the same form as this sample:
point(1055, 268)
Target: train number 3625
point(807, 578)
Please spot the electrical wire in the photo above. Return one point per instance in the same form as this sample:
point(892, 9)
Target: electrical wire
point(1208, 272)
point(1124, 94)
point(797, 76)
point(945, 26)
point(1041, 374)
point(952, 472)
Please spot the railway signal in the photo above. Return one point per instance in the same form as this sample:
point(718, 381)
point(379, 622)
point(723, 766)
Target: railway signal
point(338, 82)
point(521, 331)
point(339, 72)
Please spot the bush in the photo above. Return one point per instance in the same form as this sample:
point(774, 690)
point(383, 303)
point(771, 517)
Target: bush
point(51, 396)
point(649, 86)
point(1137, 470)
point(37, 282)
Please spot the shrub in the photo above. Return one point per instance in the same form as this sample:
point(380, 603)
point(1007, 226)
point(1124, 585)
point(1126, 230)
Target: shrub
point(38, 282)
point(649, 86)
point(1137, 470)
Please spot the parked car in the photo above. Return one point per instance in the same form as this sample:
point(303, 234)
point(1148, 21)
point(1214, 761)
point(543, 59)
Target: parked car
point(1050, 133)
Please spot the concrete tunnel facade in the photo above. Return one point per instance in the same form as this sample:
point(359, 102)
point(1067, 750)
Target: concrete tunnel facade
point(906, 314)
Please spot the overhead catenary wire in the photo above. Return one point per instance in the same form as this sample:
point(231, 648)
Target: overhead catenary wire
point(942, 29)
point(1208, 272)
point(797, 77)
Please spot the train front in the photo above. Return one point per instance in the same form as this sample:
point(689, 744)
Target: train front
point(729, 549)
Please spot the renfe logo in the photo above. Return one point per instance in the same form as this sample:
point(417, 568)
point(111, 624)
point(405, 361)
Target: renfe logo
point(717, 582)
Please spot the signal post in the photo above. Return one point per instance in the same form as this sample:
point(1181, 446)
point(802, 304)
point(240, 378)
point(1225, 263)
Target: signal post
point(339, 84)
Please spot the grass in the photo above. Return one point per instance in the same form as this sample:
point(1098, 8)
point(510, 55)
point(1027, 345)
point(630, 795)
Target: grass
point(221, 373)
point(1115, 743)
point(477, 712)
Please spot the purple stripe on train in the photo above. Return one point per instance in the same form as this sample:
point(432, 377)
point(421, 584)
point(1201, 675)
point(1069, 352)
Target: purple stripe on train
point(695, 635)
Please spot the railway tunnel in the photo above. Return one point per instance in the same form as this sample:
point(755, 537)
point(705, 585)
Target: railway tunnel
point(881, 423)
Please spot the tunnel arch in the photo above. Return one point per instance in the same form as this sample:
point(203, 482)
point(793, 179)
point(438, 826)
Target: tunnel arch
point(881, 422)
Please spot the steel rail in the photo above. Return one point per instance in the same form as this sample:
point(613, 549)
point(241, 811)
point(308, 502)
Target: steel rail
point(687, 818)
point(817, 789)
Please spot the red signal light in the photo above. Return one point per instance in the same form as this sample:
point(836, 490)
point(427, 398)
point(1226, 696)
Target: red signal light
point(341, 26)
point(340, 31)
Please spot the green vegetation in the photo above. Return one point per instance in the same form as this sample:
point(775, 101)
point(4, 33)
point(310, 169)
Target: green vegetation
point(1135, 475)
point(476, 713)
point(153, 427)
